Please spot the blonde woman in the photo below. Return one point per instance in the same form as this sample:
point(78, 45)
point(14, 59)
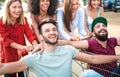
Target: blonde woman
point(13, 27)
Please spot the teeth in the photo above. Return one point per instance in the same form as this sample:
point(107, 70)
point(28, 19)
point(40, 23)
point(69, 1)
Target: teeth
point(45, 6)
point(52, 37)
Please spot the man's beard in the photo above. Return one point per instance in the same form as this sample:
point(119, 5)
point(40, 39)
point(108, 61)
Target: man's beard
point(51, 43)
point(101, 37)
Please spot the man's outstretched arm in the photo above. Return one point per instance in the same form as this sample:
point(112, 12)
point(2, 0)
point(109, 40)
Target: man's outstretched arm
point(96, 59)
point(13, 67)
point(77, 44)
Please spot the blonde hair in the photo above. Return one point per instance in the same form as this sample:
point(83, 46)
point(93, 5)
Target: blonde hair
point(6, 14)
point(68, 14)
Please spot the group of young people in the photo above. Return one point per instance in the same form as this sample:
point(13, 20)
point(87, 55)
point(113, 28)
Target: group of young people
point(55, 60)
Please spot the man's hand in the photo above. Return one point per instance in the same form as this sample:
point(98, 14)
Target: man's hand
point(38, 47)
point(24, 50)
point(75, 38)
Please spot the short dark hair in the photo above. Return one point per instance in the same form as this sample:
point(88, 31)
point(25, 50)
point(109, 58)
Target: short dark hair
point(45, 21)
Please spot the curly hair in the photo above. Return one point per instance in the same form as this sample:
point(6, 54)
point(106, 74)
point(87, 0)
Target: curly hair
point(35, 8)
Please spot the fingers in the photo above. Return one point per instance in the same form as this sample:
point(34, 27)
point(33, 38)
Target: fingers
point(29, 48)
point(75, 38)
point(39, 47)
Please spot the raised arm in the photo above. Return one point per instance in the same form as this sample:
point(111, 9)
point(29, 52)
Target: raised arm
point(34, 26)
point(12, 67)
point(96, 59)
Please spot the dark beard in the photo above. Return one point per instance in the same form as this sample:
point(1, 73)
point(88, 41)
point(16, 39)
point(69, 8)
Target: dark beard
point(52, 43)
point(102, 37)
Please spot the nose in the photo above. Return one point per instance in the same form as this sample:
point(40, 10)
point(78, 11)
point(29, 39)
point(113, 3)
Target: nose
point(18, 9)
point(102, 26)
point(75, 6)
point(51, 32)
point(96, 2)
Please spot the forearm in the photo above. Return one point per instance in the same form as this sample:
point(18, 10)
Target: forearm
point(96, 59)
point(5, 68)
point(17, 46)
point(34, 43)
point(63, 42)
point(102, 59)
point(82, 44)
point(12, 67)
point(22, 48)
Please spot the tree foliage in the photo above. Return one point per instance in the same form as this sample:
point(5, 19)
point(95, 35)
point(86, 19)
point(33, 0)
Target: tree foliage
point(2, 0)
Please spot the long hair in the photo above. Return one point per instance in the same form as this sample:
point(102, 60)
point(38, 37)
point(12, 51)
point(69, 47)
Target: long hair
point(6, 14)
point(67, 14)
point(90, 5)
point(35, 8)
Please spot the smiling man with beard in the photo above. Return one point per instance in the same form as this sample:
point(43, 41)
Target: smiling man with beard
point(100, 44)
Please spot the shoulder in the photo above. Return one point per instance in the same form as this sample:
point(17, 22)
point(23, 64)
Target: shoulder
point(25, 18)
point(112, 39)
point(92, 42)
point(101, 10)
point(85, 9)
point(60, 9)
point(80, 9)
point(69, 50)
point(54, 16)
point(26, 21)
point(1, 22)
point(32, 56)
point(68, 47)
point(80, 12)
point(31, 59)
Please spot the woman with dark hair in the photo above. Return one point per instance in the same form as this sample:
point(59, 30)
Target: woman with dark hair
point(40, 9)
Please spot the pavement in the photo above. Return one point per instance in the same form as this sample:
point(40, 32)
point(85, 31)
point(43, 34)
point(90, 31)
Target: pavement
point(113, 25)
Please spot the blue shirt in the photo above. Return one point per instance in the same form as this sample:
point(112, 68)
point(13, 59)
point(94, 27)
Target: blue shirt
point(52, 63)
point(78, 22)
